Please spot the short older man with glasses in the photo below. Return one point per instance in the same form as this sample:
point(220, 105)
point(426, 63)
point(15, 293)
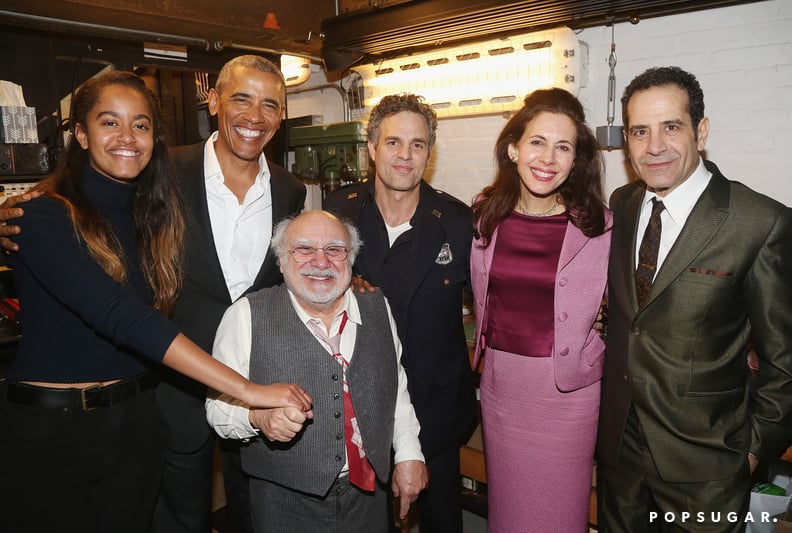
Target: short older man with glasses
point(325, 469)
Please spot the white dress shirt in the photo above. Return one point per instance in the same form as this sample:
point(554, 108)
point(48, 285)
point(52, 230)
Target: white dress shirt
point(229, 417)
point(678, 205)
point(241, 232)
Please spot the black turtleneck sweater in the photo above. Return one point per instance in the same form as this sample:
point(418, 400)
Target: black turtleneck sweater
point(78, 324)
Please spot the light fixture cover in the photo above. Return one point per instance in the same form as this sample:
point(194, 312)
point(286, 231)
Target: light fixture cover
point(482, 78)
point(296, 70)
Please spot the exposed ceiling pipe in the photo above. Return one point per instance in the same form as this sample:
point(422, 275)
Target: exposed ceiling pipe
point(99, 30)
point(230, 44)
point(114, 32)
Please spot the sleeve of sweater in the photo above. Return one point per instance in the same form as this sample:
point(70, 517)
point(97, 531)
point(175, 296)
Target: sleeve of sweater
point(50, 250)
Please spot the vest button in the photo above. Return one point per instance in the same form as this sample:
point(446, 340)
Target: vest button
point(337, 457)
point(336, 396)
point(334, 377)
point(339, 436)
point(337, 414)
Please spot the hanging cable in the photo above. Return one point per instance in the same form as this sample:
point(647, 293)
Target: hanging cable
point(612, 79)
point(611, 136)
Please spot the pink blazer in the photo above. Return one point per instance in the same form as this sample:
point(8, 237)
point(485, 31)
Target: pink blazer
point(581, 283)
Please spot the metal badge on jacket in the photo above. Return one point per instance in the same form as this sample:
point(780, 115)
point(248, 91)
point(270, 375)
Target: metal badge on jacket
point(445, 256)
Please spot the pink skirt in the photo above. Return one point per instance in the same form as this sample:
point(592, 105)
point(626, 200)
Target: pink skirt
point(539, 445)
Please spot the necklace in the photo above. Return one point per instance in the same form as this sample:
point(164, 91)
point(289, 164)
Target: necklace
point(543, 213)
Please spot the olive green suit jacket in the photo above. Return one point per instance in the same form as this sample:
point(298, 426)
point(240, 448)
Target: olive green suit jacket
point(681, 358)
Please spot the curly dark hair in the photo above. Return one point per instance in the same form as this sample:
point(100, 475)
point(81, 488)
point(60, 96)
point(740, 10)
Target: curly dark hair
point(397, 103)
point(157, 206)
point(582, 191)
point(660, 76)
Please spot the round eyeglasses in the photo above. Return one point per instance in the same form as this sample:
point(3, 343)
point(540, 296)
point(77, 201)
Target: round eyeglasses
point(336, 252)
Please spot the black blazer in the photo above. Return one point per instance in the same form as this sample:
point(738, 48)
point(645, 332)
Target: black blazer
point(680, 360)
point(204, 297)
point(435, 354)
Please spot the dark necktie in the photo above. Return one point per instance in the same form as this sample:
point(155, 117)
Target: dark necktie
point(361, 473)
point(647, 253)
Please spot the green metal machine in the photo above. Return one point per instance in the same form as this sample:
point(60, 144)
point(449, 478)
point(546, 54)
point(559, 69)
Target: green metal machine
point(331, 154)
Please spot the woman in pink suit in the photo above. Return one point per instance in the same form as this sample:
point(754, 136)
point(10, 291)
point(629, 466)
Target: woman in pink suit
point(539, 271)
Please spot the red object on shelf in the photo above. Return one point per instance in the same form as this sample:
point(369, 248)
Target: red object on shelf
point(271, 22)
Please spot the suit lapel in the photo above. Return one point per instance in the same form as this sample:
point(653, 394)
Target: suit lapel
point(201, 236)
point(574, 241)
point(280, 210)
point(624, 241)
point(428, 238)
point(706, 218)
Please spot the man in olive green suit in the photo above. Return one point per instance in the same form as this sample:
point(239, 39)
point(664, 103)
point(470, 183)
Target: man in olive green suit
point(682, 423)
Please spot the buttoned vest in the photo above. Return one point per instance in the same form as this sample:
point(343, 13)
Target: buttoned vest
point(283, 350)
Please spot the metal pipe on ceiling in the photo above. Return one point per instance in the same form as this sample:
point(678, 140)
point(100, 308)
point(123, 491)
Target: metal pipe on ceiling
point(99, 30)
point(114, 32)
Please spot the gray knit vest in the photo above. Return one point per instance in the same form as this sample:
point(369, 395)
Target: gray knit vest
point(284, 351)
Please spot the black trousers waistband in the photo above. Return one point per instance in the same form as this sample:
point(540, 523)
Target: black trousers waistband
point(85, 399)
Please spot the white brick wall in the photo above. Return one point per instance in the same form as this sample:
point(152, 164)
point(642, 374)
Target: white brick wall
point(742, 56)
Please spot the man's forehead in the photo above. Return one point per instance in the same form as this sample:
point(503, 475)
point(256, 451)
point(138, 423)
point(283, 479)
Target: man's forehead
point(316, 229)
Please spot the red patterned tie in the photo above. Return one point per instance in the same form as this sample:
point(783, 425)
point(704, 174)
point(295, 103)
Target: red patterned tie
point(361, 473)
point(647, 253)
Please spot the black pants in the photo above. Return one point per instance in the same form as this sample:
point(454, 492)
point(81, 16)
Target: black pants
point(237, 487)
point(69, 470)
point(440, 504)
point(185, 495)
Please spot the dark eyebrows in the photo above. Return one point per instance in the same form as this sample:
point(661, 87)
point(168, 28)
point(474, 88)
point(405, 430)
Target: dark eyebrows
point(411, 141)
point(562, 141)
point(114, 114)
point(248, 96)
point(672, 122)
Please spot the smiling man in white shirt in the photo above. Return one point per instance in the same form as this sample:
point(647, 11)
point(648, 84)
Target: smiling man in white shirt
point(324, 469)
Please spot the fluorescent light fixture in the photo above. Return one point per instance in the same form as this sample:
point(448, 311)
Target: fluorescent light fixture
point(481, 78)
point(296, 70)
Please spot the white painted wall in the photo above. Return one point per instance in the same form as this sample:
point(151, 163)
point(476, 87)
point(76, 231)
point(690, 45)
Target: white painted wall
point(742, 56)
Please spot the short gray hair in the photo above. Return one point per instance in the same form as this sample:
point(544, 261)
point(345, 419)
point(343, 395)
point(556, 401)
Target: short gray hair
point(254, 62)
point(279, 233)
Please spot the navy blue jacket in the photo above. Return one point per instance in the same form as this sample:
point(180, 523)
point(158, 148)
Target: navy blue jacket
point(423, 275)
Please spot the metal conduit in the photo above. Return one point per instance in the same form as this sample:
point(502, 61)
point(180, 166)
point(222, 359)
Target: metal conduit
point(99, 30)
point(344, 96)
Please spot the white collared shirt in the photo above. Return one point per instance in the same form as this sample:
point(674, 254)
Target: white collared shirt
point(241, 233)
point(678, 205)
point(229, 417)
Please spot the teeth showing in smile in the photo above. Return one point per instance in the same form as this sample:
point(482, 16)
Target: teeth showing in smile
point(543, 174)
point(252, 134)
point(125, 153)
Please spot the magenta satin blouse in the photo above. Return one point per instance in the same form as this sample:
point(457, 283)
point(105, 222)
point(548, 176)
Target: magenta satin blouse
point(522, 284)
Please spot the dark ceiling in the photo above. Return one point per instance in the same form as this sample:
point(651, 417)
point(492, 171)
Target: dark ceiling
point(411, 26)
point(365, 31)
point(266, 26)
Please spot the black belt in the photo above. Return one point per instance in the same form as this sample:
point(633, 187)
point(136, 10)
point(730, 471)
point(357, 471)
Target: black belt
point(85, 399)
